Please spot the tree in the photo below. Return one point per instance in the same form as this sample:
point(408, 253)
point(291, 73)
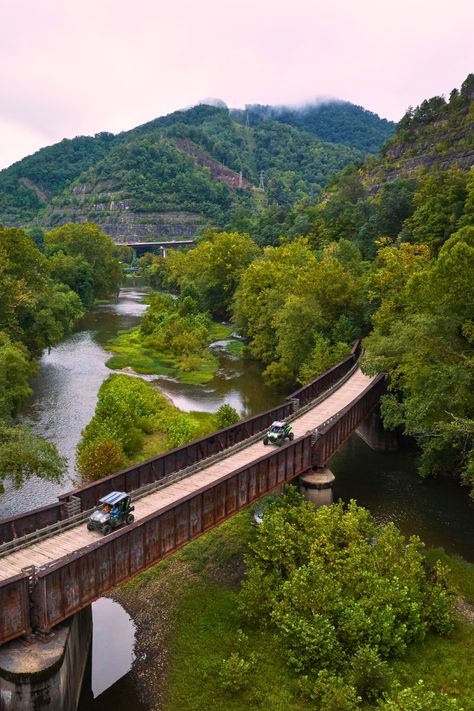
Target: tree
point(95, 247)
point(226, 415)
point(332, 583)
point(23, 455)
point(16, 369)
point(214, 267)
point(424, 337)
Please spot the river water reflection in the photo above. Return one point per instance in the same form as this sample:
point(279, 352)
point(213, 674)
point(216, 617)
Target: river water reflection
point(70, 375)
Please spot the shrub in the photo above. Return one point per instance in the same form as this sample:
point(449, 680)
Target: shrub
point(369, 674)
point(226, 415)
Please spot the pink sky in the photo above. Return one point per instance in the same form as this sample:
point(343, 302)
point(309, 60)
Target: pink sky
point(70, 68)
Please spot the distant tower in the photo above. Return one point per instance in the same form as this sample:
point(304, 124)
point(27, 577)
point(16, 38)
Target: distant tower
point(261, 184)
point(247, 122)
point(240, 180)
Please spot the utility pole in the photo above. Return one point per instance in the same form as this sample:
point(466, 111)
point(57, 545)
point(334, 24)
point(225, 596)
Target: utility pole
point(261, 184)
point(240, 180)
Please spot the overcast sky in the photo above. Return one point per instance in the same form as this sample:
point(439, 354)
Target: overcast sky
point(70, 67)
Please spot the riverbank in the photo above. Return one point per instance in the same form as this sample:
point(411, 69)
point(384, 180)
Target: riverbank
point(185, 609)
point(172, 341)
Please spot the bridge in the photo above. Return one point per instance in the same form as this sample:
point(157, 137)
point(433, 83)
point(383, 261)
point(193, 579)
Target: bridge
point(51, 566)
point(141, 248)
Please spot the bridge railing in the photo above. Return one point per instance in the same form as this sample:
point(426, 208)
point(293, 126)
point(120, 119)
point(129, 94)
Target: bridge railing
point(332, 433)
point(76, 580)
point(156, 468)
point(159, 467)
point(318, 386)
point(14, 607)
point(18, 526)
point(63, 588)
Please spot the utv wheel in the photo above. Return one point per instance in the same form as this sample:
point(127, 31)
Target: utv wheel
point(265, 440)
point(291, 436)
point(106, 529)
point(130, 518)
point(90, 527)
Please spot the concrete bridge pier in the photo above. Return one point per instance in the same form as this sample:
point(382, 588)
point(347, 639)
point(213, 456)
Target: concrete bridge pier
point(316, 485)
point(372, 432)
point(46, 674)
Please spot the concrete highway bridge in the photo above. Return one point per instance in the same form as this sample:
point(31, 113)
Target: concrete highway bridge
point(51, 566)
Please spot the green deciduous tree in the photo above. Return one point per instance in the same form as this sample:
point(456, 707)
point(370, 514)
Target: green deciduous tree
point(23, 455)
point(88, 242)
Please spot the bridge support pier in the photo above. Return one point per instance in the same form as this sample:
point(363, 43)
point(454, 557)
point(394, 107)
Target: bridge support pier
point(372, 432)
point(46, 675)
point(316, 486)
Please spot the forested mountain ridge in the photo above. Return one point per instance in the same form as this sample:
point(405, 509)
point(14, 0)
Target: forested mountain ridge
point(436, 134)
point(333, 121)
point(171, 176)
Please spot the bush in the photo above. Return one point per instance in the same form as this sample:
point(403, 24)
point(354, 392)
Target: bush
point(332, 582)
point(234, 672)
point(226, 415)
point(369, 675)
point(330, 692)
point(418, 698)
point(99, 460)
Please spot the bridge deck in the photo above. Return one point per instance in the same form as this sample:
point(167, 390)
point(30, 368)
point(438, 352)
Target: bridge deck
point(51, 549)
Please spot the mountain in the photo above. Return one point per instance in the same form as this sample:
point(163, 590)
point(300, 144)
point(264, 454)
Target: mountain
point(334, 121)
point(419, 190)
point(169, 178)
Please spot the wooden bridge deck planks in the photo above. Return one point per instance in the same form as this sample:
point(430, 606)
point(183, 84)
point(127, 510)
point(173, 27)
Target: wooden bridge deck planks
point(55, 547)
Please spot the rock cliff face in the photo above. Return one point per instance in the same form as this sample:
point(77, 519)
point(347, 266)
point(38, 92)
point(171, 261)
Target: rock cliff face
point(437, 134)
point(116, 216)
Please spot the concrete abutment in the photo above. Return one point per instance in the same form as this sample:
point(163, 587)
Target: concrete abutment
point(47, 674)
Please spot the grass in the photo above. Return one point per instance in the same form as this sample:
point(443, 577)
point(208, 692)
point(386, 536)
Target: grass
point(236, 348)
point(208, 621)
point(461, 573)
point(193, 370)
point(445, 664)
point(157, 442)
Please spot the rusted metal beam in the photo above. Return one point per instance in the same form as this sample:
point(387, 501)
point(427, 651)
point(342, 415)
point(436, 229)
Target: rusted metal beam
point(14, 607)
point(76, 580)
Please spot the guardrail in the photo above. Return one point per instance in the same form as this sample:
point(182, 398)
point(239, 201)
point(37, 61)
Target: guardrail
point(323, 382)
point(22, 525)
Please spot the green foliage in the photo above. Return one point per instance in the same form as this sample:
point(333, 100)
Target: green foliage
point(128, 410)
point(334, 121)
point(26, 186)
point(423, 337)
point(292, 304)
point(34, 309)
point(234, 672)
point(93, 270)
point(331, 583)
point(438, 207)
point(23, 455)
point(173, 338)
point(16, 369)
point(226, 415)
point(330, 692)
point(369, 674)
point(419, 698)
point(210, 272)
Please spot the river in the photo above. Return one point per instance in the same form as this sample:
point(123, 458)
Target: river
point(63, 402)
